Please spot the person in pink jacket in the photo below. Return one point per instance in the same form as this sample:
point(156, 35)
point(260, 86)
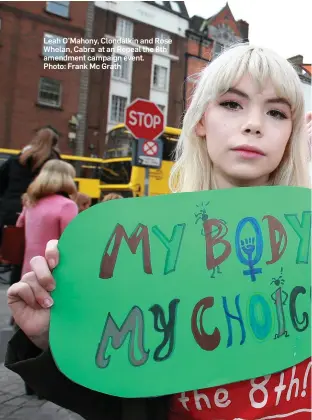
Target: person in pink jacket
point(47, 208)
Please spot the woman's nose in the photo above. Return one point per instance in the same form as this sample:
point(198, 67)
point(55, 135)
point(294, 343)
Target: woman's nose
point(253, 130)
point(253, 125)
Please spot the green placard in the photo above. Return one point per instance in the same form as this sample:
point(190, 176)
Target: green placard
point(166, 294)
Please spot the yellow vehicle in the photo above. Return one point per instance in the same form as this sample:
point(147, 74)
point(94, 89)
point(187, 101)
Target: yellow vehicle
point(119, 175)
point(87, 171)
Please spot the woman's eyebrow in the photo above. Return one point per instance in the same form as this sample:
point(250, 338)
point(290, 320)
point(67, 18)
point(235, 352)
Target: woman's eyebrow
point(238, 92)
point(278, 101)
point(269, 101)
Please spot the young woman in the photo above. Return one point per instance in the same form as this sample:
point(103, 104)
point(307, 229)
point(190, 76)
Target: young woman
point(47, 211)
point(244, 127)
point(47, 208)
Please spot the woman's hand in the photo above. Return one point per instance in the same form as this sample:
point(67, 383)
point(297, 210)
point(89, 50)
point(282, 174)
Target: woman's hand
point(30, 300)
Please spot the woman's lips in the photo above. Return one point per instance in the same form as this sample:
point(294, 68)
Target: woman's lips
point(248, 152)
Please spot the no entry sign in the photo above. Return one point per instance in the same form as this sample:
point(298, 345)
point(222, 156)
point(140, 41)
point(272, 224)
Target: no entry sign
point(150, 148)
point(147, 153)
point(144, 119)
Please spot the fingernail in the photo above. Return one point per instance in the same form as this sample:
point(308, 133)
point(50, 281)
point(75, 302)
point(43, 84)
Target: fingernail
point(47, 303)
point(51, 287)
point(52, 263)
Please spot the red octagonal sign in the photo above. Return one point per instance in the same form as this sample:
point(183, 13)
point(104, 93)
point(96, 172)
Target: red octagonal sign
point(144, 119)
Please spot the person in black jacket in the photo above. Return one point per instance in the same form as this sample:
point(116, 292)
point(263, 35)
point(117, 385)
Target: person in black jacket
point(17, 173)
point(225, 121)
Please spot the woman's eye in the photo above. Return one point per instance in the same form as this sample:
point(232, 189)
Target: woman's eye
point(278, 114)
point(230, 105)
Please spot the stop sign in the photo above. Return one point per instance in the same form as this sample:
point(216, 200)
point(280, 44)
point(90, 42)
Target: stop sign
point(144, 119)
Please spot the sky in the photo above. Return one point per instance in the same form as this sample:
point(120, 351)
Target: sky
point(286, 27)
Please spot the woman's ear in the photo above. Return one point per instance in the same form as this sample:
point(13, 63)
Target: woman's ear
point(200, 128)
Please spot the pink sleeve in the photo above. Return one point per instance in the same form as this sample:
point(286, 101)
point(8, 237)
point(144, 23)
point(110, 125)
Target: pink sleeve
point(21, 219)
point(68, 213)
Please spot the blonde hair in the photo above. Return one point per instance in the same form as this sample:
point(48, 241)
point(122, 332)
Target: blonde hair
point(41, 147)
point(111, 196)
point(56, 176)
point(193, 168)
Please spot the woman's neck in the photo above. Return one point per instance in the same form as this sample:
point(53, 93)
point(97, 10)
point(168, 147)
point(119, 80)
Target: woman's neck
point(221, 181)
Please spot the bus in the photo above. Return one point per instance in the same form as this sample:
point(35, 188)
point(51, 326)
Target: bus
point(120, 176)
point(88, 171)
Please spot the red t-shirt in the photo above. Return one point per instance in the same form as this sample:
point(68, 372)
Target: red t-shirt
point(282, 395)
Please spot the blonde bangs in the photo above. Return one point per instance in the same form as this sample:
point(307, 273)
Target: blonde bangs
point(263, 65)
point(193, 168)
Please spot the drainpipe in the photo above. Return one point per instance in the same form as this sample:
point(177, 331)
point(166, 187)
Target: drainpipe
point(84, 87)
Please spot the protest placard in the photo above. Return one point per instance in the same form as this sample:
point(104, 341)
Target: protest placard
point(167, 294)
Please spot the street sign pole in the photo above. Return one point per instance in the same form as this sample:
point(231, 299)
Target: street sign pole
point(146, 181)
point(146, 123)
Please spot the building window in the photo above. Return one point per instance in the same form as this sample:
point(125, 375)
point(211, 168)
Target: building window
point(163, 36)
point(160, 77)
point(206, 43)
point(118, 109)
point(60, 8)
point(50, 92)
point(217, 49)
point(194, 37)
point(53, 45)
point(175, 6)
point(161, 3)
point(0, 24)
point(123, 71)
point(124, 28)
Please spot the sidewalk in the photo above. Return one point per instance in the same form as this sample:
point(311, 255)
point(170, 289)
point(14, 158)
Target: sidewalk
point(14, 403)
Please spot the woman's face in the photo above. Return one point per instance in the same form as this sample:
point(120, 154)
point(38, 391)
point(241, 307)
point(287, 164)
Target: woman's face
point(246, 132)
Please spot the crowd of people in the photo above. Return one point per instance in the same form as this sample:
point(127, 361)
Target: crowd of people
point(38, 192)
point(39, 195)
point(248, 100)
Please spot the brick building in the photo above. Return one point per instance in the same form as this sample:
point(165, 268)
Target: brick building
point(158, 77)
point(206, 38)
point(32, 96)
point(307, 68)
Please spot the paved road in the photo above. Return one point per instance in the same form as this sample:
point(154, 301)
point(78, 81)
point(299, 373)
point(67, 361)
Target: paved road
point(4, 320)
point(14, 403)
point(4, 311)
